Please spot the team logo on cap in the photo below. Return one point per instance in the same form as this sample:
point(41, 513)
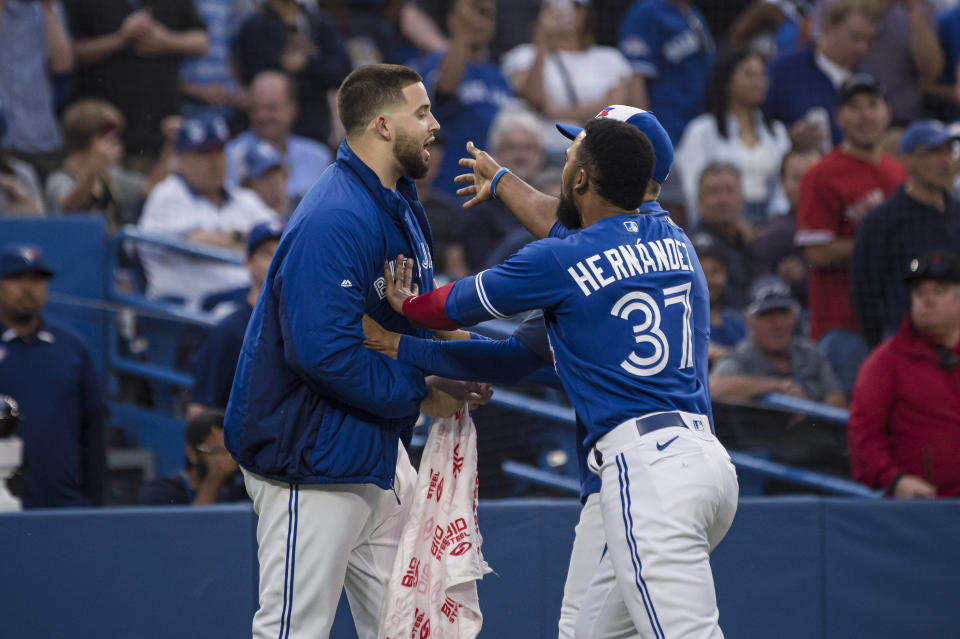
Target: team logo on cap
point(29, 254)
point(914, 265)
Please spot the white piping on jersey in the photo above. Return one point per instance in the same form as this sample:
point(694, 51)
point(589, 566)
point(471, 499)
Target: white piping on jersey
point(482, 294)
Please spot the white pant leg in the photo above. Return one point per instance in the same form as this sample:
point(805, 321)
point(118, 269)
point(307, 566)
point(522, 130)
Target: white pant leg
point(371, 561)
point(664, 511)
point(602, 609)
point(309, 537)
point(588, 547)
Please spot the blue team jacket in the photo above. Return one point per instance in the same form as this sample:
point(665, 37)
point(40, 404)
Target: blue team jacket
point(309, 404)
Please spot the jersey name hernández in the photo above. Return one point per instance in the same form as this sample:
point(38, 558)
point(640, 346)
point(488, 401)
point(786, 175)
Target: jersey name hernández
point(627, 314)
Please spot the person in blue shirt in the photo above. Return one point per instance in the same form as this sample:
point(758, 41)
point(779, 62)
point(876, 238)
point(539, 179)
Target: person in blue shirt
point(466, 88)
point(671, 50)
point(207, 83)
point(527, 357)
point(49, 372)
point(627, 315)
point(216, 359)
point(316, 421)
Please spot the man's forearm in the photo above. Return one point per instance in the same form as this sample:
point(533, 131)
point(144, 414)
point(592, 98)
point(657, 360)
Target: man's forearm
point(92, 50)
point(741, 387)
point(835, 254)
point(924, 45)
point(536, 211)
point(57, 42)
point(191, 43)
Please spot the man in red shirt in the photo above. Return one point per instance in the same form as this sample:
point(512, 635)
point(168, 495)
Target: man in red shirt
point(834, 196)
point(904, 426)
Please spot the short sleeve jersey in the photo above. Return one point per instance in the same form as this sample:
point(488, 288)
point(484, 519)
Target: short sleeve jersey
point(835, 195)
point(626, 308)
point(672, 48)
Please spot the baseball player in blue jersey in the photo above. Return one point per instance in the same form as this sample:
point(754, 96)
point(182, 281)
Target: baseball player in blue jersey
point(314, 419)
point(520, 357)
point(626, 308)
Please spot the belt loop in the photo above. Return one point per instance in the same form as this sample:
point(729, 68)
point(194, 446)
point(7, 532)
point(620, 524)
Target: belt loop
point(597, 456)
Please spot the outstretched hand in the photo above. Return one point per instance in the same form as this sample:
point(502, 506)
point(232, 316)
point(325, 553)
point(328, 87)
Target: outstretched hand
point(399, 282)
point(483, 168)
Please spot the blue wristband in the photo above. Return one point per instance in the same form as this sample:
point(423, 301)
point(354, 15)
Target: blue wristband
point(496, 178)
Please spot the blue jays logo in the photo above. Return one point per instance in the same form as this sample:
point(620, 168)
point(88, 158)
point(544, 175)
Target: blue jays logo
point(29, 254)
point(631, 226)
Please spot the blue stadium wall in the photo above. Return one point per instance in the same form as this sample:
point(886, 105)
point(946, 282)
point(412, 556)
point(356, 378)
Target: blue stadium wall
point(790, 568)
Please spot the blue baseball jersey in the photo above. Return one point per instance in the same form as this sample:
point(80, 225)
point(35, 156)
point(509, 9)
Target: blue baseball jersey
point(627, 313)
point(672, 48)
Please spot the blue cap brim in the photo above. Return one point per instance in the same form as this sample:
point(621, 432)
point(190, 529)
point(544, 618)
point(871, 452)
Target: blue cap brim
point(569, 131)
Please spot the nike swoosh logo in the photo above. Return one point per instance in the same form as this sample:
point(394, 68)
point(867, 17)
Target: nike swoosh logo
point(669, 441)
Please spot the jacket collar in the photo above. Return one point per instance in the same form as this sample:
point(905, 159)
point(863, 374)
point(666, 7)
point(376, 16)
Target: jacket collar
point(7, 335)
point(909, 342)
point(406, 187)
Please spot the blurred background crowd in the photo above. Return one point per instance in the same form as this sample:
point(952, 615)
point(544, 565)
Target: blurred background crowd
point(815, 172)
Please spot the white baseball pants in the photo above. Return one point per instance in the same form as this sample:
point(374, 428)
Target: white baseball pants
point(667, 499)
point(314, 540)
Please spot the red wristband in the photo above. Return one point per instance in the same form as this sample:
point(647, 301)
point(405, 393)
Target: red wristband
point(429, 309)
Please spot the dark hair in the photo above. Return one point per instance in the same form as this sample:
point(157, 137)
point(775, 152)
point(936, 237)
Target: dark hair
point(793, 153)
point(717, 168)
point(723, 69)
point(619, 160)
point(370, 88)
point(199, 427)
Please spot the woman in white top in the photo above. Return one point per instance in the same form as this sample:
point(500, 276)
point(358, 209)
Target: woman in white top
point(563, 75)
point(734, 130)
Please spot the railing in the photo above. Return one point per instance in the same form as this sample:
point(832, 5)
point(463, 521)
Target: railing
point(552, 412)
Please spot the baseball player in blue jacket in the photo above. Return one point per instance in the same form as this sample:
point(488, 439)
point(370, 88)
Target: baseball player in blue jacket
point(314, 419)
point(522, 357)
point(627, 314)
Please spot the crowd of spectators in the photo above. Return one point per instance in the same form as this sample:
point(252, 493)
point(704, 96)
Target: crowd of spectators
point(817, 154)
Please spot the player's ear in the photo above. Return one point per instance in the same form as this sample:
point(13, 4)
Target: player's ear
point(581, 181)
point(384, 127)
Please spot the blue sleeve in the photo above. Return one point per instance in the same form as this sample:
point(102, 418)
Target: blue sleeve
point(529, 279)
point(475, 360)
point(320, 317)
point(216, 365)
point(640, 40)
point(559, 231)
point(948, 36)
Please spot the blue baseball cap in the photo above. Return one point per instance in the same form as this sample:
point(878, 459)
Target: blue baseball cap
point(260, 158)
point(22, 258)
point(261, 233)
point(926, 133)
point(202, 132)
point(648, 124)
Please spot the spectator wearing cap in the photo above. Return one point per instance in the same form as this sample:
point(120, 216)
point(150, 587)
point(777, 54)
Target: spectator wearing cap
point(727, 326)
point(921, 215)
point(735, 130)
point(51, 373)
point(835, 195)
point(34, 43)
point(773, 244)
point(773, 359)
point(671, 51)
point(273, 110)
point(19, 187)
point(720, 201)
point(194, 205)
point(804, 84)
point(129, 54)
point(467, 90)
point(284, 35)
point(562, 73)
point(264, 173)
point(216, 359)
point(211, 475)
point(904, 426)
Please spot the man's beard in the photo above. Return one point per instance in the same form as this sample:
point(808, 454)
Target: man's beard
point(21, 318)
point(568, 213)
point(410, 156)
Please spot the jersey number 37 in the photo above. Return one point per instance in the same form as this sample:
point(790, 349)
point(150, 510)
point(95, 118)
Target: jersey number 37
point(648, 331)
